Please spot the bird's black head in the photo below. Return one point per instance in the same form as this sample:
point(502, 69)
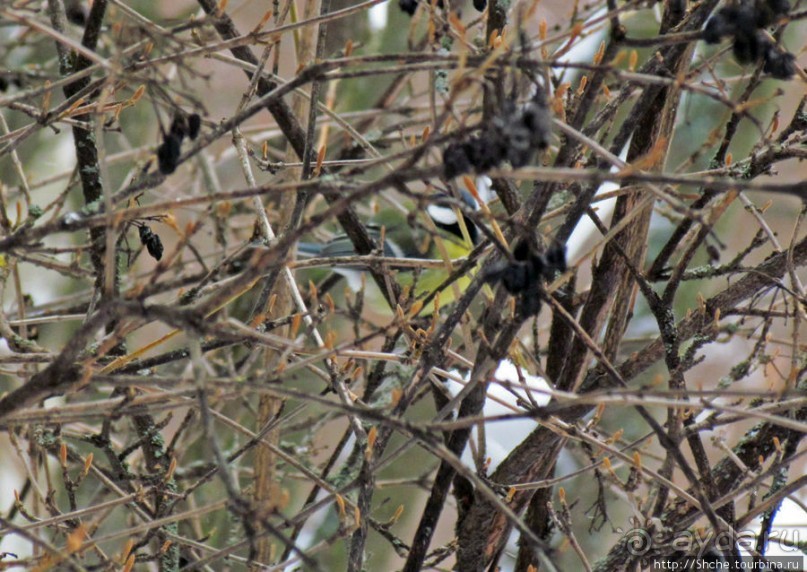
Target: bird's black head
point(445, 216)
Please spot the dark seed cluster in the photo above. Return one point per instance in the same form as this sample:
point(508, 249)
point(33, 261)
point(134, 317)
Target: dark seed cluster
point(523, 276)
point(76, 12)
point(514, 136)
point(168, 153)
point(744, 23)
point(409, 6)
point(151, 241)
point(7, 79)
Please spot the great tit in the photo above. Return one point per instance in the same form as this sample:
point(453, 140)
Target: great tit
point(454, 238)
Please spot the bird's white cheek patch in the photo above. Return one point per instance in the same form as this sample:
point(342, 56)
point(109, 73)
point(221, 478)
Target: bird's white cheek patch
point(441, 215)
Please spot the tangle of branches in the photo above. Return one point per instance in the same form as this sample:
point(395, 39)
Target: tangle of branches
point(507, 285)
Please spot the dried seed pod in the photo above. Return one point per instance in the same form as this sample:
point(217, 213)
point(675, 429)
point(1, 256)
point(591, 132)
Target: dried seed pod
point(487, 151)
point(536, 117)
point(780, 65)
point(456, 160)
point(408, 6)
point(76, 12)
point(168, 153)
point(514, 135)
point(749, 48)
point(523, 276)
point(744, 22)
point(151, 241)
point(769, 11)
point(179, 126)
point(194, 125)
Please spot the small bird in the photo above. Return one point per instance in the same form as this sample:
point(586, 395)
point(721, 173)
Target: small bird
point(401, 239)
